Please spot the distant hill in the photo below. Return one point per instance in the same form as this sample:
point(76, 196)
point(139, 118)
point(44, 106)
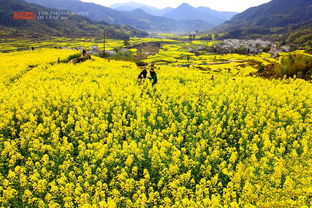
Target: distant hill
point(74, 26)
point(223, 15)
point(276, 19)
point(187, 12)
point(95, 12)
point(183, 12)
point(129, 6)
point(164, 24)
point(125, 8)
point(137, 18)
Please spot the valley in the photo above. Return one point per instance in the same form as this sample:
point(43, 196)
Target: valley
point(136, 106)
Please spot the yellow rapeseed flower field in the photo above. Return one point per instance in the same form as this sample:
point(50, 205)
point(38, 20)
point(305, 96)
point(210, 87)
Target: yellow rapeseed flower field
point(88, 135)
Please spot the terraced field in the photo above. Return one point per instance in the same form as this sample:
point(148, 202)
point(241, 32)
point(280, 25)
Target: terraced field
point(87, 135)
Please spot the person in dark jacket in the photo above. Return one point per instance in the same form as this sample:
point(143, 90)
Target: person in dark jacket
point(153, 74)
point(142, 76)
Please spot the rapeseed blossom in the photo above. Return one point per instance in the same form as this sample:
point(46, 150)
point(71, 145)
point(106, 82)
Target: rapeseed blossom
point(87, 135)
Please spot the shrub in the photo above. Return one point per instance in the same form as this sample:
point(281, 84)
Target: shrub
point(294, 64)
point(71, 57)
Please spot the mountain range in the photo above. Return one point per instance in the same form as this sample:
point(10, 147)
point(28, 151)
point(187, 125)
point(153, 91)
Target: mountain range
point(130, 6)
point(276, 19)
point(186, 11)
point(74, 26)
point(182, 12)
point(281, 20)
point(144, 17)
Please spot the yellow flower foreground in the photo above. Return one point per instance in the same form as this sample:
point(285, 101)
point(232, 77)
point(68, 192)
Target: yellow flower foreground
point(87, 135)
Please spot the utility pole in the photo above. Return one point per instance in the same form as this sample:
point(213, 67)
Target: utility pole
point(104, 42)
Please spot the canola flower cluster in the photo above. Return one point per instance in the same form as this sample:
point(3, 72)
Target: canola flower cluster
point(87, 135)
point(14, 65)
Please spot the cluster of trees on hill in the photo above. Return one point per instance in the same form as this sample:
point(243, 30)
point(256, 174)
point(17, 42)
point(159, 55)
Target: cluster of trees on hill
point(302, 39)
point(295, 64)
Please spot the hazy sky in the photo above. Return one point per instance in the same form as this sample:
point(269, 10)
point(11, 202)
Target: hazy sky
point(221, 5)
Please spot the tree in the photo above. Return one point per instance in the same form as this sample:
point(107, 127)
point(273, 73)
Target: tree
point(192, 36)
point(126, 43)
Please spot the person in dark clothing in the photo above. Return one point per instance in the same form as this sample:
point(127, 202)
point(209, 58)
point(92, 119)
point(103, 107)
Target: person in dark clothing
point(142, 76)
point(84, 52)
point(153, 77)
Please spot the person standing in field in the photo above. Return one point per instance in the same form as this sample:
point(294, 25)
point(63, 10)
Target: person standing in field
point(142, 76)
point(153, 74)
point(84, 52)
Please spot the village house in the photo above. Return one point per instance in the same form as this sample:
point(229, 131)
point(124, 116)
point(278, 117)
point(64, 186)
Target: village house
point(243, 46)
